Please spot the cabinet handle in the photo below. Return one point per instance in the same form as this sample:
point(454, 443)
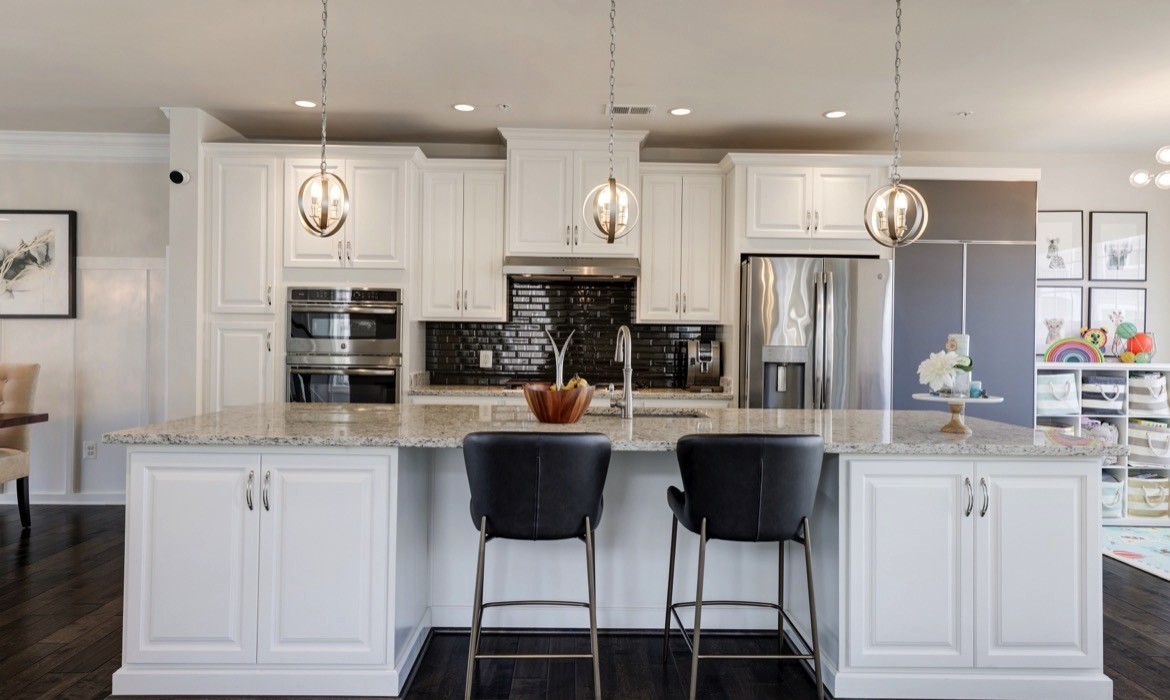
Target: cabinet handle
point(817, 221)
point(339, 251)
point(264, 493)
point(464, 299)
point(576, 235)
point(808, 221)
point(970, 498)
point(268, 340)
point(986, 497)
point(248, 493)
point(270, 295)
point(676, 302)
point(568, 233)
point(348, 256)
point(684, 302)
point(458, 297)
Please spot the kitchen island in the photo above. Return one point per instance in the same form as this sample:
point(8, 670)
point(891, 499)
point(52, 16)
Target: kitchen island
point(310, 549)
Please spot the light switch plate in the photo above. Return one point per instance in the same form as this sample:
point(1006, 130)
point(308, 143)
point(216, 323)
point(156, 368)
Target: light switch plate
point(485, 359)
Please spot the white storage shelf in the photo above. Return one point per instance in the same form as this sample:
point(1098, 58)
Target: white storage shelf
point(1125, 467)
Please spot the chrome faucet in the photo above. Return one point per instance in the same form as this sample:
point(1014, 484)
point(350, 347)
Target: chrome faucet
point(624, 353)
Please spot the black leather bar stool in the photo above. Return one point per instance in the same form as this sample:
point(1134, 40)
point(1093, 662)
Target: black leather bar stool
point(745, 488)
point(535, 486)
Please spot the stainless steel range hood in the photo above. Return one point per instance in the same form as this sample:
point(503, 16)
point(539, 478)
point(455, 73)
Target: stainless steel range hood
point(571, 268)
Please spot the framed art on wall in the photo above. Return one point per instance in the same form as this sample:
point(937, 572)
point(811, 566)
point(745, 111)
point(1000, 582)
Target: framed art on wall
point(1117, 244)
point(1111, 306)
point(1060, 239)
point(1059, 314)
point(38, 264)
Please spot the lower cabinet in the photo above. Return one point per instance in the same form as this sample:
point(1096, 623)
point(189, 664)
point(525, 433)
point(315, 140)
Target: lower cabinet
point(972, 565)
point(240, 367)
point(250, 559)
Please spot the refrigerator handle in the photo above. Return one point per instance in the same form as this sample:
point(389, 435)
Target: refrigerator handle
point(830, 353)
point(819, 343)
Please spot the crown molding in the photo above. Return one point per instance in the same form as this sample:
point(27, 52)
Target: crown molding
point(84, 147)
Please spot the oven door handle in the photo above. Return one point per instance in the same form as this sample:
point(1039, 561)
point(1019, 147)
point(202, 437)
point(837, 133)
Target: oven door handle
point(359, 371)
point(340, 309)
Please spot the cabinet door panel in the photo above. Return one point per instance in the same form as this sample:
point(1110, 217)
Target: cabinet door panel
point(442, 245)
point(376, 229)
point(540, 182)
point(1038, 568)
point(242, 230)
point(241, 364)
point(658, 282)
point(778, 202)
point(839, 197)
point(190, 560)
point(483, 247)
point(592, 169)
point(324, 545)
point(301, 248)
point(910, 598)
point(702, 248)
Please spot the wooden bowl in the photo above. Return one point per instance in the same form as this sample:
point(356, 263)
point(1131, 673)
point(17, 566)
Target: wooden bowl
point(564, 406)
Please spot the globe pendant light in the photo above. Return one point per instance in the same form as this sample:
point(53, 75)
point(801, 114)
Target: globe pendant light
point(896, 214)
point(611, 209)
point(323, 197)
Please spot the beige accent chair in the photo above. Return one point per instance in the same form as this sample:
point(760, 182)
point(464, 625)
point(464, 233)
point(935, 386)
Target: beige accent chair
point(18, 384)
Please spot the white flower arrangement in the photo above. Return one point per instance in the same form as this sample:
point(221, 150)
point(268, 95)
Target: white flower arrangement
point(938, 370)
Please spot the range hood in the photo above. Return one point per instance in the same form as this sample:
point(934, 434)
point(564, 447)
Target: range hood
point(571, 268)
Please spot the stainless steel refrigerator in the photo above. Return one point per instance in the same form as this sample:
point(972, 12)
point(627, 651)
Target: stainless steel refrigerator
point(816, 333)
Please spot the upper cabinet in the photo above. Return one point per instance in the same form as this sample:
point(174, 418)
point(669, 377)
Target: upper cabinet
point(374, 234)
point(682, 244)
point(808, 202)
point(550, 172)
point(243, 217)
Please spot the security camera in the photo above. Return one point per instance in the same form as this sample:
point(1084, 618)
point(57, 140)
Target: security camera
point(180, 177)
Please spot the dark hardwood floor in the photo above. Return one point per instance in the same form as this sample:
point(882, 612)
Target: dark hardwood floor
point(61, 622)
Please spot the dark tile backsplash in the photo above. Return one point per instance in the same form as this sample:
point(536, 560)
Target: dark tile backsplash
point(522, 352)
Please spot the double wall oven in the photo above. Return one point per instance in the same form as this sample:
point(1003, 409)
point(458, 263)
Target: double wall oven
point(344, 345)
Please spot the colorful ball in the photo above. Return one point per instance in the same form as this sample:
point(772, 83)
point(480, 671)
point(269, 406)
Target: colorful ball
point(1128, 357)
point(1144, 358)
point(1126, 330)
point(1142, 342)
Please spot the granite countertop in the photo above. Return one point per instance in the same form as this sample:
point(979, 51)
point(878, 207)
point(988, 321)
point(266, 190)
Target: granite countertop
point(600, 392)
point(845, 432)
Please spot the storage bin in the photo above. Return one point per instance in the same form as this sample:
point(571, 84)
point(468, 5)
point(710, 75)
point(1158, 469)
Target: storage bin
point(1103, 432)
point(1149, 442)
point(1103, 394)
point(1148, 495)
point(1147, 394)
point(1111, 496)
point(1057, 395)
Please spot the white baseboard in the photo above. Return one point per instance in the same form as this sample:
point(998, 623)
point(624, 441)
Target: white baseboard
point(69, 499)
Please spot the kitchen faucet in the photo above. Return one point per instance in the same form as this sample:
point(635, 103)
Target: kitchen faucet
point(625, 353)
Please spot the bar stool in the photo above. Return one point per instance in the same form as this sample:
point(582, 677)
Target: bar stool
point(535, 486)
point(745, 488)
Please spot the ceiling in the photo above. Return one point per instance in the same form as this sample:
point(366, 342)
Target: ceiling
point(1037, 75)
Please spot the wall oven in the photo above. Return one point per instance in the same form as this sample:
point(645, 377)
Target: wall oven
point(344, 345)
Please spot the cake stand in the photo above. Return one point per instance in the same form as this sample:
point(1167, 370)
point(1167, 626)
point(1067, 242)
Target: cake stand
point(958, 425)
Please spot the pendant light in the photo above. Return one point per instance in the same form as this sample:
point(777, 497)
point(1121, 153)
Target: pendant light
point(896, 214)
point(323, 197)
point(1143, 177)
point(611, 209)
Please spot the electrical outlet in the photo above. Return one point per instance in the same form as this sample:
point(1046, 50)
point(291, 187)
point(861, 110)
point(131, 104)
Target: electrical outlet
point(89, 449)
point(485, 359)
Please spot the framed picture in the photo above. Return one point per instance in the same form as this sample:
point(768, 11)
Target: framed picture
point(1059, 314)
point(1060, 239)
point(1110, 306)
point(1117, 241)
point(38, 264)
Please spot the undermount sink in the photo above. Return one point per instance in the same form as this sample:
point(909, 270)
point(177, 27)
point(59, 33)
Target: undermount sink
point(616, 412)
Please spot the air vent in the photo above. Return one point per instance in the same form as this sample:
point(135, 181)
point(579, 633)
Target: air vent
point(629, 110)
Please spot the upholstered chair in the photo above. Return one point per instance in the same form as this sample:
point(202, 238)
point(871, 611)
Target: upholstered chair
point(18, 384)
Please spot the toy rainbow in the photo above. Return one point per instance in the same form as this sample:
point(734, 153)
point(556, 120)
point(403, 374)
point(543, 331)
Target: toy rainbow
point(1073, 350)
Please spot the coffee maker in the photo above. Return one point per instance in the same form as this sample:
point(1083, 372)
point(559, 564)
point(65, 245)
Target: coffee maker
point(704, 368)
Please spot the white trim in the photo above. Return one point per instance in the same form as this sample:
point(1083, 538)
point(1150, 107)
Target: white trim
point(112, 498)
point(464, 164)
point(808, 160)
point(103, 263)
point(245, 680)
point(679, 168)
point(620, 136)
point(926, 172)
point(83, 147)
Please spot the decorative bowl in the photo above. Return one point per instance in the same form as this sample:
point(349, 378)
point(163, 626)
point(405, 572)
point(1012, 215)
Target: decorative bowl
point(563, 406)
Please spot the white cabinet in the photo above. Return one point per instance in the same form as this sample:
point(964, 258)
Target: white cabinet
point(244, 559)
point(462, 223)
point(240, 367)
point(804, 202)
point(374, 234)
point(972, 565)
point(682, 248)
point(242, 231)
point(546, 190)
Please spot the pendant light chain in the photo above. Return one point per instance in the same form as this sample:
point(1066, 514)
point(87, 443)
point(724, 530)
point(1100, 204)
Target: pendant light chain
point(612, 71)
point(324, 75)
point(897, 177)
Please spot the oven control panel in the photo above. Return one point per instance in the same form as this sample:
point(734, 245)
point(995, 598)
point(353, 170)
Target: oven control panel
point(345, 295)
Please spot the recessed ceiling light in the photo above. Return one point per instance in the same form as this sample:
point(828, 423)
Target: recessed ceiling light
point(680, 111)
point(307, 104)
point(834, 114)
point(464, 108)
point(964, 114)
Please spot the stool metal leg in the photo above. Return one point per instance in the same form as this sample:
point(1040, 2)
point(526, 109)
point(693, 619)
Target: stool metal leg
point(698, 609)
point(669, 591)
point(591, 562)
point(780, 603)
point(812, 608)
point(476, 612)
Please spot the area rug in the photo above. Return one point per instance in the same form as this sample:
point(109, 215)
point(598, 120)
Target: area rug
point(1145, 548)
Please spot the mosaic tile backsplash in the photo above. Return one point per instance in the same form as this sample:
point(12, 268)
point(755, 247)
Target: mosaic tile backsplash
point(522, 351)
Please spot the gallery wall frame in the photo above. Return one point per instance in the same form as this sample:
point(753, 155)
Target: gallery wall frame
point(1118, 246)
point(1059, 314)
point(38, 263)
point(1060, 245)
